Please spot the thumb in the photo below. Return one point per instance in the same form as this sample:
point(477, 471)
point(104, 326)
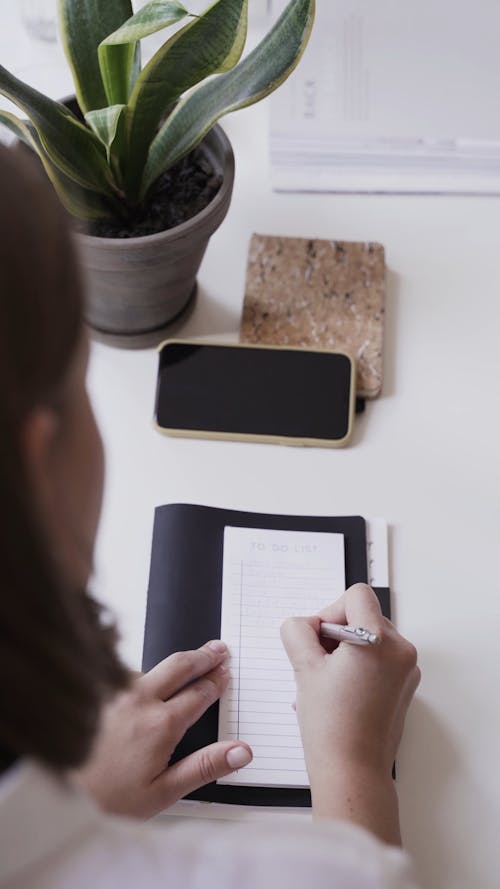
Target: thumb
point(204, 766)
point(300, 637)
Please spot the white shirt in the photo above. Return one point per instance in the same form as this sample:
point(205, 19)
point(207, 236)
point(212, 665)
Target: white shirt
point(52, 836)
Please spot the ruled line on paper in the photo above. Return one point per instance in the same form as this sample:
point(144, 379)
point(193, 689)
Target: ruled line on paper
point(268, 576)
point(239, 652)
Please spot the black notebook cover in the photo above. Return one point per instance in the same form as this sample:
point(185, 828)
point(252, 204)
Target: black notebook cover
point(184, 607)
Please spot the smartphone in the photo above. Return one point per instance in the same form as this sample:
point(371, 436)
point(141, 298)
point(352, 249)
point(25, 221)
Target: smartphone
point(276, 394)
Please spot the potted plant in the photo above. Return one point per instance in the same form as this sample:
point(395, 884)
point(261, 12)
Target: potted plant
point(137, 138)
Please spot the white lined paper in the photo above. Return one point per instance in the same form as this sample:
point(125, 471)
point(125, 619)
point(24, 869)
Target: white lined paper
point(267, 576)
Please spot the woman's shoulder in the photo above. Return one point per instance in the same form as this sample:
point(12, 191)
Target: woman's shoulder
point(53, 836)
point(286, 853)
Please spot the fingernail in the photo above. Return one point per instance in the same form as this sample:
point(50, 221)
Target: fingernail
point(218, 645)
point(238, 757)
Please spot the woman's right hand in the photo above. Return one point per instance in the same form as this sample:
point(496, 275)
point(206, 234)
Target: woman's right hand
point(351, 706)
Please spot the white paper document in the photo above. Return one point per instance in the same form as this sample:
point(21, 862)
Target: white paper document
point(392, 96)
point(267, 577)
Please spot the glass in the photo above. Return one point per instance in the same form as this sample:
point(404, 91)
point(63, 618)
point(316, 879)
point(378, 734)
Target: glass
point(39, 17)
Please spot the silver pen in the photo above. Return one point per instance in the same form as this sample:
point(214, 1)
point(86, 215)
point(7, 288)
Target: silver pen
point(355, 635)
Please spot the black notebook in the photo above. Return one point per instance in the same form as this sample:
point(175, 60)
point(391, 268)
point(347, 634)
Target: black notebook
point(197, 553)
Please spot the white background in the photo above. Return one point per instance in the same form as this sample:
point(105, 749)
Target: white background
point(425, 456)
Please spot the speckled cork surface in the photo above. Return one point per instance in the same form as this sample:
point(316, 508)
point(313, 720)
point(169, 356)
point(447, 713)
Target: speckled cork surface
point(318, 294)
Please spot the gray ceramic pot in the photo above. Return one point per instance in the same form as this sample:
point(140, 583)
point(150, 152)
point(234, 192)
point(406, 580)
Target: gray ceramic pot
point(135, 286)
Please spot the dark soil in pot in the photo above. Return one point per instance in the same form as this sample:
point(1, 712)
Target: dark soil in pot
point(180, 193)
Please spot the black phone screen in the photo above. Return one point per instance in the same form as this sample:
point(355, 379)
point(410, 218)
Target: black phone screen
point(254, 391)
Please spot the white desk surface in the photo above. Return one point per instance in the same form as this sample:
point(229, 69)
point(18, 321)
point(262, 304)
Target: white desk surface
point(425, 456)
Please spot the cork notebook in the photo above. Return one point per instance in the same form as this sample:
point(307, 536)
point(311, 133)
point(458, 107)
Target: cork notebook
point(318, 294)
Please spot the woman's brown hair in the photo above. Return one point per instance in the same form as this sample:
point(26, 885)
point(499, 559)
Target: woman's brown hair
point(57, 659)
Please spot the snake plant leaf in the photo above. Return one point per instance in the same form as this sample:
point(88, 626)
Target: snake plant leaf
point(74, 149)
point(83, 25)
point(109, 126)
point(80, 202)
point(261, 72)
point(104, 122)
point(16, 126)
point(211, 43)
point(151, 18)
point(116, 64)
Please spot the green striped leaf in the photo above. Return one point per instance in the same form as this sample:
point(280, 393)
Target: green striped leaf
point(104, 122)
point(261, 72)
point(151, 18)
point(116, 64)
point(109, 126)
point(83, 25)
point(16, 126)
point(75, 150)
point(212, 43)
point(80, 202)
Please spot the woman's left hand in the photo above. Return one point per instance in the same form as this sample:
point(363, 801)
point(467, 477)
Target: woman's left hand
point(128, 773)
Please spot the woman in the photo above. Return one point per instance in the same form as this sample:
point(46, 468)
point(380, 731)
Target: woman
point(73, 723)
